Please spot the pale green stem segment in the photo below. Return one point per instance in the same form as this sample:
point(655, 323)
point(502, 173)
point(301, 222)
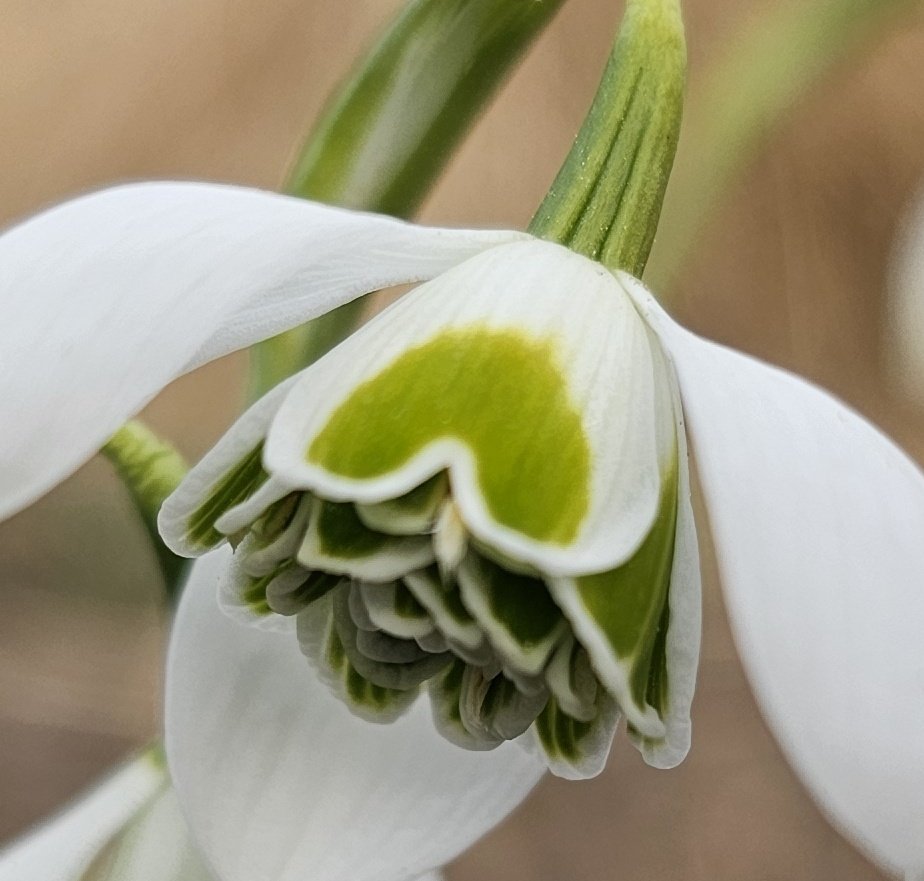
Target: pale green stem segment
point(393, 126)
point(606, 201)
point(151, 469)
point(775, 60)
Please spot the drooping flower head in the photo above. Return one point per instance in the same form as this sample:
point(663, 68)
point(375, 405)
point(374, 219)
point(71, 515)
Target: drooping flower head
point(483, 492)
point(816, 518)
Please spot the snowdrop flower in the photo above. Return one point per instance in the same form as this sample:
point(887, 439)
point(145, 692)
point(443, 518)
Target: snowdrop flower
point(484, 493)
point(129, 828)
point(490, 499)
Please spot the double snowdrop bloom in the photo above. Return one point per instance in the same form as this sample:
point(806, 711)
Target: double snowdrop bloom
point(490, 499)
point(483, 495)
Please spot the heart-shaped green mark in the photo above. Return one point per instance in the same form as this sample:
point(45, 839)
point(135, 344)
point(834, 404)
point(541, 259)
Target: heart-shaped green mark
point(499, 392)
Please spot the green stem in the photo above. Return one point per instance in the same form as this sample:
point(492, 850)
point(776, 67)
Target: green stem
point(606, 200)
point(151, 469)
point(393, 126)
point(745, 95)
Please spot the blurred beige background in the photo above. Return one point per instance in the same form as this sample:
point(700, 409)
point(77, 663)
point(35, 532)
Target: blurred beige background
point(792, 268)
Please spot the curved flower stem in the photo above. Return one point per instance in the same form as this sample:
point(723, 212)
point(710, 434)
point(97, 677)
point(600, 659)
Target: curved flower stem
point(606, 200)
point(745, 95)
point(392, 128)
point(151, 469)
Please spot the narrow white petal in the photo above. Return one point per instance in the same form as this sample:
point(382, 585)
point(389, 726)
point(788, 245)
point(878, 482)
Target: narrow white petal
point(280, 781)
point(818, 522)
point(528, 351)
point(127, 829)
point(685, 627)
point(111, 296)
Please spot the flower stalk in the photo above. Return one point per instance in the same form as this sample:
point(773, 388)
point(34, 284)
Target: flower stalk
point(606, 200)
point(151, 469)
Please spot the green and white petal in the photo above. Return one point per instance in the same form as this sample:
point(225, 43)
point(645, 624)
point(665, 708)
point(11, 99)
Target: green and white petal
point(338, 541)
point(276, 536)
point(111, 296)
point(494, 706)
point(622, 616)
point(572, 681)
point(521, 620)
point(410, 514)
point(243, 597)
point(487, 352)
point(279, 780)
point(229, 474)
point(672, 676)
point(395, 675)
point(393, 608)
point(447, 694)
point(817, 520)
point(129, 828)
point(574, 749)
point(321, 641)
point(446, 608)
point(296, 588)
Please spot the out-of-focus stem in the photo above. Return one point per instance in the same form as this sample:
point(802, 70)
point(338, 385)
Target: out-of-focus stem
point(151, 469)
point(746, 93)
point(392, 127)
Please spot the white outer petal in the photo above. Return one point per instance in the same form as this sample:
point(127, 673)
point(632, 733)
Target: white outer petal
point(281, 783)
point(818, 522)
point(684, 631)
point(544, 291)
point(135, 803)
point(109, 297)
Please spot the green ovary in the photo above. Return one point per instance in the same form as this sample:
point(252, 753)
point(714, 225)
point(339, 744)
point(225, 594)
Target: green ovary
point(500, 393)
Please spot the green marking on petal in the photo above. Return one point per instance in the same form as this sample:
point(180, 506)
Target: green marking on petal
point(510, 711)
point(658, 680)
point(444, 603)
point(321, 642)
point(393, 608)
point(627, 604)
point(410, 514)
point(238, 483)
point(338, 541)
point(376, 645)
point(260, 554)
point(516, 611)
point(572, 681)
point(479, 386)
point(445, 692)
point(296, 588)
point(397, 676)
point(561, 734)
point(253, 591)
point(573, 748)
point(274, 520)
point(342, 534)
